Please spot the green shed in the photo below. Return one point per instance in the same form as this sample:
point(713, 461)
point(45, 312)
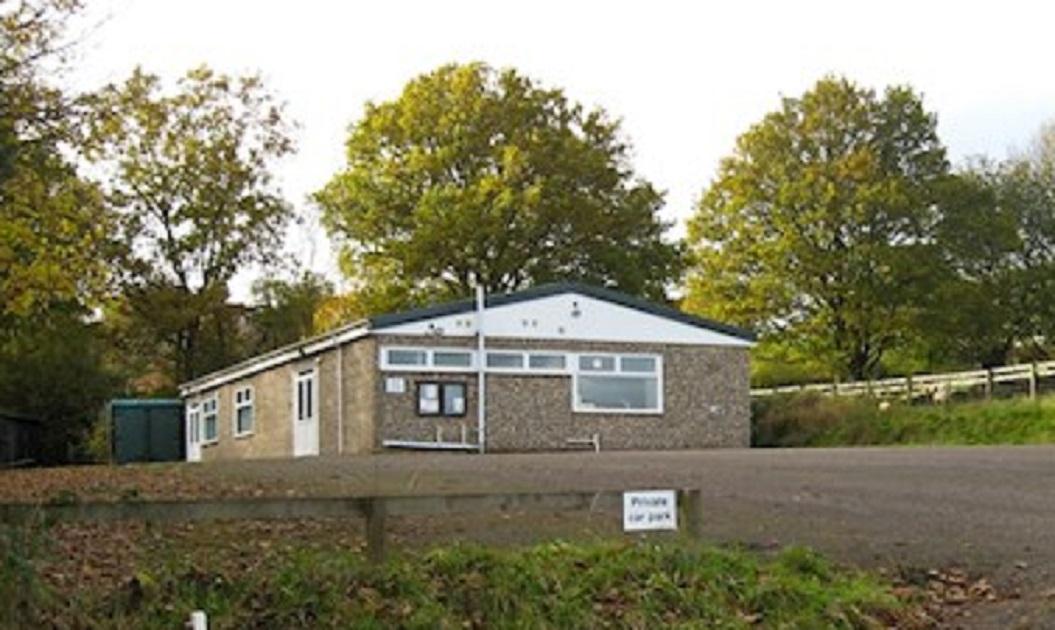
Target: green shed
point(147, 430)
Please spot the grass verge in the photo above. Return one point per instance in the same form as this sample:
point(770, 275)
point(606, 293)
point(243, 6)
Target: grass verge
point(812, 419)
point(635, 584)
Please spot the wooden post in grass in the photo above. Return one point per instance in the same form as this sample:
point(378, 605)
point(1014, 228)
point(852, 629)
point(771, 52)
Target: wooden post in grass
point(375, 530)
point(1033, 380)
point(908, 387)
point(988, 384)
point(691, 502)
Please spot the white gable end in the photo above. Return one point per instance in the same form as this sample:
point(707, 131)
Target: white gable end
point(570, 316)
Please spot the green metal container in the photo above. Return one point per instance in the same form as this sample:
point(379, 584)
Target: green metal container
point(147, 430)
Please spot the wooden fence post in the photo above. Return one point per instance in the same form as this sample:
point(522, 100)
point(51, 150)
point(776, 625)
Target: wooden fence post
point(908, 387)
point(1032, 380)
point(691, 502)
point(375, 530)
point(988, 383)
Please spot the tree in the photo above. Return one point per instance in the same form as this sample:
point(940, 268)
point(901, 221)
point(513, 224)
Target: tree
point(54, 229)
point(981, 307)
point(189, 172)
point(55, 245)
point(285, 310)
point(52, 368)
point(477, 175)
point(818, 229)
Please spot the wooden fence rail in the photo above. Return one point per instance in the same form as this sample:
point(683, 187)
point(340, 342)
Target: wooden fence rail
point(927, 385)
point(375, 509)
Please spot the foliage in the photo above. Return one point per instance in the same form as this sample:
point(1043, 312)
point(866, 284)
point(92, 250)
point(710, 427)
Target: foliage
point(474, 174)
point(997, 236)
point(54, 240)
point(549, 585)
point(814, 420)
point(189, 173)
point(23, 592)
point(52, 369)
point(285, 310)
point(818, 227)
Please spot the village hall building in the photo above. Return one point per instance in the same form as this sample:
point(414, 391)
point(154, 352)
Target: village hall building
point(557, 366)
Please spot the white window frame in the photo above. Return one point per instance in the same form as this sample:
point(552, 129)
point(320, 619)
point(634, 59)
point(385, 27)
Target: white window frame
point(571, 368)
point(577, 405)
point(215, 400)
point(237, 406)
point(194, 421)
point(429, 365)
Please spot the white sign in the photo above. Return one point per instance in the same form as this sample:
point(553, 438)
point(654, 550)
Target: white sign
point(650, 509)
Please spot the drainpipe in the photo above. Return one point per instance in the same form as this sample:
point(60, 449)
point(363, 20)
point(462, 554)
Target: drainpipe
point(340, 399)
point(481, 374)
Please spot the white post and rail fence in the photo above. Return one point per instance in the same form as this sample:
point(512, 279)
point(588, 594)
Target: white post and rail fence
point(937, 387)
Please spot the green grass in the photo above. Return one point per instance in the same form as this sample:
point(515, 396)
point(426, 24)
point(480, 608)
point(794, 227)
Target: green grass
point(633, 584)
point(816, 420)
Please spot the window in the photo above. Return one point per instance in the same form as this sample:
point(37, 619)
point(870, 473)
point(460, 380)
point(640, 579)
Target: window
point(546, 361)
point(399, 356)
point(193, 424)
point(638, 364)
point(621, 384)
point(505, 360)
point(208, 419)
point(428, 399)
point(441, 399)
point(618, 393)
point(306, 395)
point(243, 411)
point(453, 399)
point(596, 363)
point(451, 358)
point(404, 359)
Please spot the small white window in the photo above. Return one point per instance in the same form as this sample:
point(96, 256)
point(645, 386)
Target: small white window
point(451, 358)
point(596, 363)
point(638, 364)
point(210, 433)
point(399, 356)
point(243, 411)
point(547, 361)
point(505, 360)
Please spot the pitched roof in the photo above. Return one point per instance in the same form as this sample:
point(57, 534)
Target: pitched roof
point(558, 288)
point(355, 330)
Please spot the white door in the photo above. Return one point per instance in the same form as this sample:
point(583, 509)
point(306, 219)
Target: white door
point(193, 433)
point(305, 413)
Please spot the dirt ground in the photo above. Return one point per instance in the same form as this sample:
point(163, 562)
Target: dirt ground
point(987, 510)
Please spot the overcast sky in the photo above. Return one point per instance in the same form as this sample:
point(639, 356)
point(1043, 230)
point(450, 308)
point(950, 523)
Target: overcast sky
point(685, 78)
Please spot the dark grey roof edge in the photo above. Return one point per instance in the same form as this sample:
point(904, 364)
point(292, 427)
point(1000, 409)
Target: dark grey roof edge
point(556, 288)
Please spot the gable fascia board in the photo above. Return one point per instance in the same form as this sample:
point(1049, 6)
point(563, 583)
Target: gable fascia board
point(275, 358)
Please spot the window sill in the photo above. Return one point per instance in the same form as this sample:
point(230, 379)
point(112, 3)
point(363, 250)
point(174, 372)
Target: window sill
point(242, 436)
point(210, 443)
point(621, 412)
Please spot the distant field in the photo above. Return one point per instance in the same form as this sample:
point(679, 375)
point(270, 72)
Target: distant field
point(819, 420)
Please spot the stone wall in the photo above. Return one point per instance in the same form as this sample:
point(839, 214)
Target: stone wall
point(705, 396)
point(705, 393)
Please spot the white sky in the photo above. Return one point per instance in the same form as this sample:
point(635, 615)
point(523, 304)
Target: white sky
point(685, 78)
